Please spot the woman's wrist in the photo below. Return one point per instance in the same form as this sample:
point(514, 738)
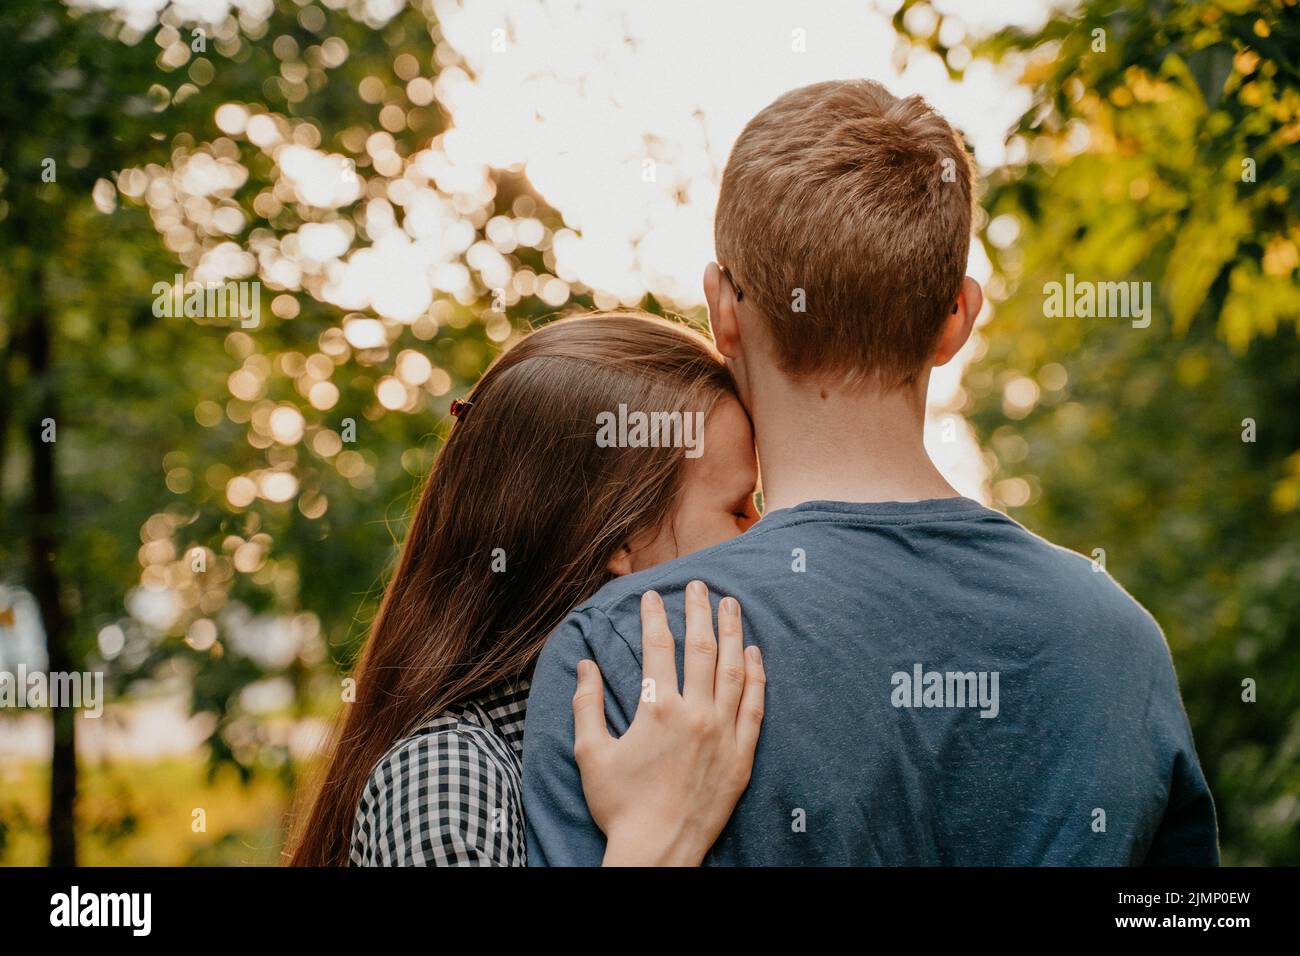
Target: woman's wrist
point(651, 846)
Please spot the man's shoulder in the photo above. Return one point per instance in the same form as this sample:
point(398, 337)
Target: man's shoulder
point(1071, 605)
point(1053, 583)
point(608, 623)
point(714, 566)
point(1085, 580)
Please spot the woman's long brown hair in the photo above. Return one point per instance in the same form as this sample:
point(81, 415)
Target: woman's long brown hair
point(521, 472)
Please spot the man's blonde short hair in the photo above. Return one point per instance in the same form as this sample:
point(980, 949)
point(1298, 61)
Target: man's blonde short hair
point(859, 203)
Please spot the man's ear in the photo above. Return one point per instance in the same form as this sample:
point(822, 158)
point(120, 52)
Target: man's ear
point(960, 321)
point(721, 300)
point(621, 563)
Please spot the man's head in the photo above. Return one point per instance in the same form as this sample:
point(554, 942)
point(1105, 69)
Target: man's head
point(844, 224)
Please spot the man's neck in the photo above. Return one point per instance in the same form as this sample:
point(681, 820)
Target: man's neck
point(823, 444)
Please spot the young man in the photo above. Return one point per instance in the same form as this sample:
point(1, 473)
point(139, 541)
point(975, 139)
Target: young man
point(944, 687)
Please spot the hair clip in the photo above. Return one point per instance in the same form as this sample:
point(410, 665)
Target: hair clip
point(459, 407)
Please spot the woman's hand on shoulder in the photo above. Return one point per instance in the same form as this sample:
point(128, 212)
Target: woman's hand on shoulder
point(663, 791)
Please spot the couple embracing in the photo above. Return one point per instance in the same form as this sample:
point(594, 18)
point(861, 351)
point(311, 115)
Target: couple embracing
point(598, 651)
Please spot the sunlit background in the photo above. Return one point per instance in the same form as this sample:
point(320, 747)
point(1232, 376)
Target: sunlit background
point(414, 185)
point(620, 120)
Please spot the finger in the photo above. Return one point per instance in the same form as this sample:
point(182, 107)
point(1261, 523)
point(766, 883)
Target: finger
point(730, 679)
point(589, 728)
point(701, 649)
point(750, 717)
point(658, 650)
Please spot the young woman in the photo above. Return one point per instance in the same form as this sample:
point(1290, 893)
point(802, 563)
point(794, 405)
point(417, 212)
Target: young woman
point(524, 515)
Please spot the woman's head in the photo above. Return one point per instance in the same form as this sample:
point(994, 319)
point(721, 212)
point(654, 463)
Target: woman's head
point(559, 446)
point(548, 485)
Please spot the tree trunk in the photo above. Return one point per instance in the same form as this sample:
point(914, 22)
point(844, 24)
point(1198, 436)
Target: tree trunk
point(46, 587)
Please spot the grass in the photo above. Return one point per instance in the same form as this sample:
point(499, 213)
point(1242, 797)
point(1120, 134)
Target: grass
point(144, 814)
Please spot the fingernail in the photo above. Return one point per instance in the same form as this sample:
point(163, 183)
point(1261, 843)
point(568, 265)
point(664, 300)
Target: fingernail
point(652, 599)
point(697, 589)
point(754, 653)
point(729, 606)
point(584, 668)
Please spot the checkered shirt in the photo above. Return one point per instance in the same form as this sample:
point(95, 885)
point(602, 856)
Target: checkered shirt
point(449, 794)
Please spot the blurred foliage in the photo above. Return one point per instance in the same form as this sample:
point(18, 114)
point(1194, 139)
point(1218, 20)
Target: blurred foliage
point(1161, 148)
point(251, 600)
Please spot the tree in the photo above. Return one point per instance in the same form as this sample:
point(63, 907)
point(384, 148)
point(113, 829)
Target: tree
point(238, 534)
point(71, 109)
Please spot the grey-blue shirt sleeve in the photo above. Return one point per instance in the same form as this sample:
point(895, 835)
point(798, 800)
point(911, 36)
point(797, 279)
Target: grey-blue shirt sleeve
point(1188, 833)
point(558, 827)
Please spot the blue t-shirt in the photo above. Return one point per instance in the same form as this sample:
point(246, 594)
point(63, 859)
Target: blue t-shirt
point(944, 688)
